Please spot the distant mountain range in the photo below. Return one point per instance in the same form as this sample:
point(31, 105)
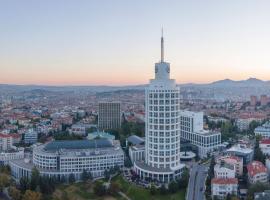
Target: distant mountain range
point(226, 83)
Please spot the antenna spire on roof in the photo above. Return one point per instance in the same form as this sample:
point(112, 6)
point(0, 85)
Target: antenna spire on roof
point(162, 46)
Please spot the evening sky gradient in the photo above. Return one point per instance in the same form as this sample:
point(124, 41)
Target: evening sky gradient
point(117, 42)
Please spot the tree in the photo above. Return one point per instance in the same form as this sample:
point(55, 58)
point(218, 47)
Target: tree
point(257, 187)
point(24, 183)
point(35, 177)
point(71, 178)
point(173, 187)
point(183, 181)
point(63, 179)
point(47, 185)
point(106, 174)
point(258, 154)
point(31, 195)
point(163, 190)
point(153, 189)
point(14, 193)
point(99, 188)
point(4, 181)
point(84, 176)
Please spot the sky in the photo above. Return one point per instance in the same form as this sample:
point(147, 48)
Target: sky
point(117, 42)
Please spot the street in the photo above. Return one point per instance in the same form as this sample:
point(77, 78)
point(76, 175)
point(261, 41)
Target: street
point(196, 185)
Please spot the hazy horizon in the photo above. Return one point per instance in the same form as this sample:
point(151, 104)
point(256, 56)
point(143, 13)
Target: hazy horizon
point(99, 43)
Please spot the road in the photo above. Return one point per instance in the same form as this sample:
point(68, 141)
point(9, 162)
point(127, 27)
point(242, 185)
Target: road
point(196, 185)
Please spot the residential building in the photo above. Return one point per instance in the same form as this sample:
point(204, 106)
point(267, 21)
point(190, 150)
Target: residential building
point(253, 100)
point(262, 195)
point(221, 187)
point(257, 172)
point(6, 142)
point(62, 158)
point(78, 129)
point(162, 127)
point(109, 115)
point(30, 136)
point(224, 170)
point(263, 130)
point(264, 100)
point(232, 160)
point(242, 151)
point(264, 145)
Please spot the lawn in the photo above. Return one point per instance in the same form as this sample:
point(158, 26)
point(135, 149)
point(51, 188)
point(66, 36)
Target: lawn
point(139, 193)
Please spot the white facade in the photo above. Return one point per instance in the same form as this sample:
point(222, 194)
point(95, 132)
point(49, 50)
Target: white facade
point(5, 157)
point(263, 130)
point(265, 146)
point(30, 136)
point(224, 171)
point(5, 142)
point(232, 160)
point(222, 187)
point(162, 127)
point(136, 153)
point(192, 130)
point(257, 172)
point(78, 129)
point(62, 158)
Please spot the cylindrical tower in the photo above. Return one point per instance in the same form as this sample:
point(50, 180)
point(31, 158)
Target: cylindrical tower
point(162, 119)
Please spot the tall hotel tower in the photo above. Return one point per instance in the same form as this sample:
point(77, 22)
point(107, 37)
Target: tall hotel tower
point(162, 128)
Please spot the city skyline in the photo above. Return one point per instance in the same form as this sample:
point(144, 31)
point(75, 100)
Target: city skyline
point(94, 43)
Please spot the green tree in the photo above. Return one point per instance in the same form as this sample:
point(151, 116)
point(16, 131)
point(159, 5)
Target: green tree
point(14, 193)
point(84, 175)
point(99, 188)
point(173, 187)
point(24, 183)
point(71, 178)
point(4, 181)
point(258, 154)
point(153, 189)
point(163, 190)
point(257, 187)
point(183, 181)
point(35, 176)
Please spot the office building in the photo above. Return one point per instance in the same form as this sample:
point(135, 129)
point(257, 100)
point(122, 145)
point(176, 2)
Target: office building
point(191, 124)
point(62, 158)
point(109, 115)
point(162, 127)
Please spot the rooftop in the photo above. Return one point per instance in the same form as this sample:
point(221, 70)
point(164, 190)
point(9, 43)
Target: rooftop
point(78, 144)
point(265, 141)
point(224, 181)
point(134, 139)
point(256, 167)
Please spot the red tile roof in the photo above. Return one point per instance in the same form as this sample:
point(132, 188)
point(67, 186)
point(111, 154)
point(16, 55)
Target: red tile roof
point(256, 167)
point(265, 141)
point(224, 181)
